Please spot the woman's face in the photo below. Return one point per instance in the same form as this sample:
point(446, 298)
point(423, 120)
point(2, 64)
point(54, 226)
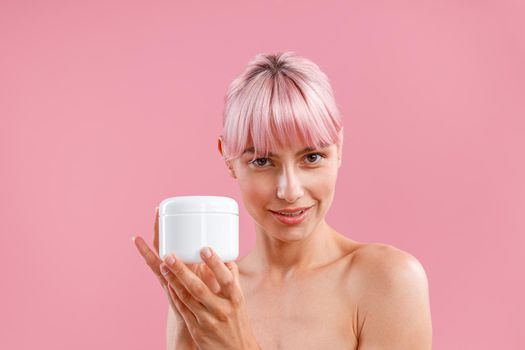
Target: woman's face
point(288, 178)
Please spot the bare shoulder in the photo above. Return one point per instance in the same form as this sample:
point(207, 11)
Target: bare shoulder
point(390, 287)
point(382, 263)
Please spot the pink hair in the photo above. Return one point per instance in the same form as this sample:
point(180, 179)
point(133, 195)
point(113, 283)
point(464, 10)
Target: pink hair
point(279, 100)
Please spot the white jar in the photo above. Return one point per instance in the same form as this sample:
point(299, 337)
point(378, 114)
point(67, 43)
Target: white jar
point(189, 223)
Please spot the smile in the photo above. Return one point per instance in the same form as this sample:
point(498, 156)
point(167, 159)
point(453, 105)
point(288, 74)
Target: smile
point(291, 218)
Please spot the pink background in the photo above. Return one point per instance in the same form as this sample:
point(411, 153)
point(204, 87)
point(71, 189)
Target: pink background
point(108, 107)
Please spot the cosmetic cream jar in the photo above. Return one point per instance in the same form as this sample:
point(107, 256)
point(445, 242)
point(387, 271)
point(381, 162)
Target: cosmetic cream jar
point(189, 223)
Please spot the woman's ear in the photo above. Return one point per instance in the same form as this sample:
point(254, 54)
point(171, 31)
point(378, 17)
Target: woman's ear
point(228, 163)
point(219, 145)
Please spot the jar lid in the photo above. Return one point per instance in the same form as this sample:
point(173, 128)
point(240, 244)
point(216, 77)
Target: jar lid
point(198, 204)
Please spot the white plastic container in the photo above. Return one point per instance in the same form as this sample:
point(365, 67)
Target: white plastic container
point(189, 223)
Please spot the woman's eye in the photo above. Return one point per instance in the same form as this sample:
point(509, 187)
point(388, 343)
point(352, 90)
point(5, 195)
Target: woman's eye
point(319, 156)
point(257, 162)
point(313, 158)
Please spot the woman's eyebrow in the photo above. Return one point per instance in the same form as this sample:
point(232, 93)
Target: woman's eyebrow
point(307, 149)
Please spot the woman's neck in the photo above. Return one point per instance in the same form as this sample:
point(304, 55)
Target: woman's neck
point(281, 260)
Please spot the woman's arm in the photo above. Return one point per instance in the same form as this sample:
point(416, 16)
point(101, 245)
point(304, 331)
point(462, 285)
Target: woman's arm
point(177, 335)
point(394, 308)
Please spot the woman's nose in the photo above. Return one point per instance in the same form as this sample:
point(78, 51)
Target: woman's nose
point(290, 187)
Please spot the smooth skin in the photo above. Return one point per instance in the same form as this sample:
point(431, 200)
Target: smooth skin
point(308, 286)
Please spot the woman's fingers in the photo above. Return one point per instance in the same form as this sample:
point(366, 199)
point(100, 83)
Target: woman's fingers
point(156, 230)
point(189, 307)
point(202, 271)
point(191, 287)
point(171, 300)
point(184, 311)
point(152, 260)
point(209, 279)
point(223, 273)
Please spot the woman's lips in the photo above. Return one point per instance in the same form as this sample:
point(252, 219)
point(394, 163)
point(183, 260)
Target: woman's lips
point(291, 220)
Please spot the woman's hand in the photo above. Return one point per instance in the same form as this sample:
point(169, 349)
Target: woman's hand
point(215, 320)
point(153, 261)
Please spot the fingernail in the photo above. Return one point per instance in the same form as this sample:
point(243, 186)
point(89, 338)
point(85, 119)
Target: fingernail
point(133, 238)
point(164, 269)
point(206, 251)
point(170, 260)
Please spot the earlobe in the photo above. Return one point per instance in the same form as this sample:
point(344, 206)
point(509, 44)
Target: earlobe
point(230, 167)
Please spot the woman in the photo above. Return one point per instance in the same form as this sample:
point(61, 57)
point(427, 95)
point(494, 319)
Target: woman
point(304, 285)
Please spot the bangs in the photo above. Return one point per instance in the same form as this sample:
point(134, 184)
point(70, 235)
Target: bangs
point(280, 115)
point(279, 102)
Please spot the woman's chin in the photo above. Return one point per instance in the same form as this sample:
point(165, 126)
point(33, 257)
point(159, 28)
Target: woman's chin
point(288, 234)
